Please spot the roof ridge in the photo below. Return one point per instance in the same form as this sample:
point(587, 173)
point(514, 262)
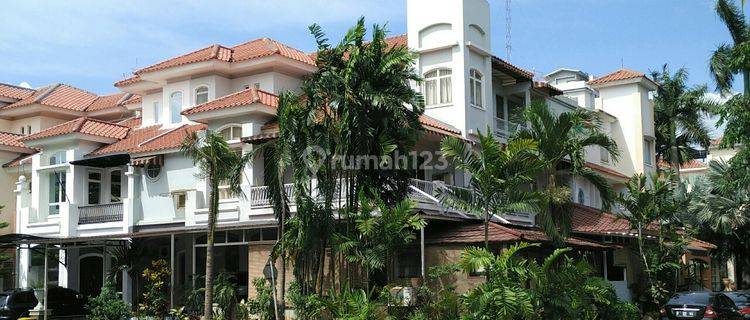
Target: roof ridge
point(15, 86)
point(124, 98)
point(137, 72)
point(162, 134)
point(46, 92)
point(247, 42)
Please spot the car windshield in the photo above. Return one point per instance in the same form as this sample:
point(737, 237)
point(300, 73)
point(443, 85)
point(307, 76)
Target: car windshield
point(3, 299)
point(694, 298)
point(740, 298)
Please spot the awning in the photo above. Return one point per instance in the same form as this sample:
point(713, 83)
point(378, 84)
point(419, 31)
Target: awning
point(112, 160)
point(156, 160)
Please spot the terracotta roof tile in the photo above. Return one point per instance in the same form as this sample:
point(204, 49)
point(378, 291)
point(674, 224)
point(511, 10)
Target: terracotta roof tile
point(265, 47)
point(15, 92)
point(438, 126)
point(60, 96)
point(213, 52)
point(474, 233)
point(590, 220)
point(548, 88)
point(109, 101)
point(128, 81)
point(133, 122)
point(13, 140)
point(513, 70)
point(150, 139)
point(132, 100)
point(399, 40)
point(22, 159)
point(237, 99)
point(86, 126)
point(622, 74)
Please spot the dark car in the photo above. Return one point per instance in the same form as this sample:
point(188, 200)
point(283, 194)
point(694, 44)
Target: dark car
point(690, 305)
point(733, 305)
point(63, 302)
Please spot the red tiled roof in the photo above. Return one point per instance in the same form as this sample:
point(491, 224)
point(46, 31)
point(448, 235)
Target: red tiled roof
point(547, 87)
point(716, 142)
point(237, 99)
point(622, 74)
point(60, 96)
point(150, 139)
point(82, 125)
point(22, 159)
point(13, 140)
point(474, 233)
point(109, 101)
point(438, 126)
point(15, 92)
point(254, 49)
point(132, 100)
point(506, 66)
point(133, 122)
point(399, 40)
point(606, 170)
point(590, 220)
point(700, 244)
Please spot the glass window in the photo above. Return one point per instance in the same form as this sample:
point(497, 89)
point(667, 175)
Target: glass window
point(201, 95)
point(94, 187)
point(475, 88)
point(269, 234)
point(153, 171)
point(56, 191)
point(157, 111)
point(115, 186)
point(408, 264)
point(604, 154)
point(500, 107)
point(438, 89)
point(23, 130)
point(175, 106)
point(231, 133)
point(647, 151)
point(57, 158)
point(252, 235)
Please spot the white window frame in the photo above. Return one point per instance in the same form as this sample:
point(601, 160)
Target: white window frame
point(603, 155)
point(53, 178)
point(175, 107)
point(231, 127)
point(443, 76)
point(648, 152)
point(196, 94)
point(476, 89)
point(60, 157)
point(157, 111)
point(153, 179)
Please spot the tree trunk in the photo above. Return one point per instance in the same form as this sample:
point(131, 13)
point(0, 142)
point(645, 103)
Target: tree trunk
point(746, 78)
point(282, 221)
point(675, 154)
point(212, 210)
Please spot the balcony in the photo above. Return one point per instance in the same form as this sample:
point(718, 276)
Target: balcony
point(505, 128)
point(99, 213)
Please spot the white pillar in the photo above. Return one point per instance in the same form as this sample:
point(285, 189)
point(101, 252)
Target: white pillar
point(130, 208)
point(62, 275)
point(127, 287)
point(171, 270)
point(24, 260)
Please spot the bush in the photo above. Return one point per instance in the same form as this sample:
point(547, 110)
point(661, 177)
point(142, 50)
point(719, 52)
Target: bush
point(306, 307)
point(155, 302)
point(225, 296)
point(262, 305)
point(108, 305)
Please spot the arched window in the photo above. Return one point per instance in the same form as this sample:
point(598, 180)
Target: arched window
point(201, 95)
point(175, 106)
point(581, 196)
point(475, 88)
point(437, 87)
point(231, 133)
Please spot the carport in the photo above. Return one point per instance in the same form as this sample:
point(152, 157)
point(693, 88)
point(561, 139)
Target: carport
point(45, 245)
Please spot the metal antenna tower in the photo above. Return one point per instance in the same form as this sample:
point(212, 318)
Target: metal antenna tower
point(507, 29)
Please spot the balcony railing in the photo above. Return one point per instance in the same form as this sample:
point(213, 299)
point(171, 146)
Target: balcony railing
point(99, 213)
point(505, 128)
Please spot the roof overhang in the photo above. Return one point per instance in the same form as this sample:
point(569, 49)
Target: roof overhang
point(643, 81)
point(37, 110)
point(106, 161)
point(67, 138)
point(259, 109)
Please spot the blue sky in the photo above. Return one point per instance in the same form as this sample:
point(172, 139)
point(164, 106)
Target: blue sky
point(92, 44)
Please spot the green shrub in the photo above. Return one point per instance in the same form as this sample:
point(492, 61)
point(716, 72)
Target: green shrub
point(262, 306)
point(107, 305)
point(306, 307)
point(225, 296)
point(155, 302)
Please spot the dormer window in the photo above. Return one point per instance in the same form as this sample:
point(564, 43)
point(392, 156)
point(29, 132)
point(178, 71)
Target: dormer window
point(201, 95)
point(437, 87)
point(475, 88)
point(175, 106)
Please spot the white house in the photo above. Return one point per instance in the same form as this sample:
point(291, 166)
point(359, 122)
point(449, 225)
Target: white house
point(110, 168)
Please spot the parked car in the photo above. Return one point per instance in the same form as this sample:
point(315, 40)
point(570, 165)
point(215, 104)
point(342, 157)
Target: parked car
point(733, 305)
point(63, 302)
point(690, 305)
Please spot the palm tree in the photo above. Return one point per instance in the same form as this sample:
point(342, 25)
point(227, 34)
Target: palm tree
point(562, 139)
point(722, 209)
point(217, 163)
point(729, 60)
point(678, 117)
point(498, 174)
